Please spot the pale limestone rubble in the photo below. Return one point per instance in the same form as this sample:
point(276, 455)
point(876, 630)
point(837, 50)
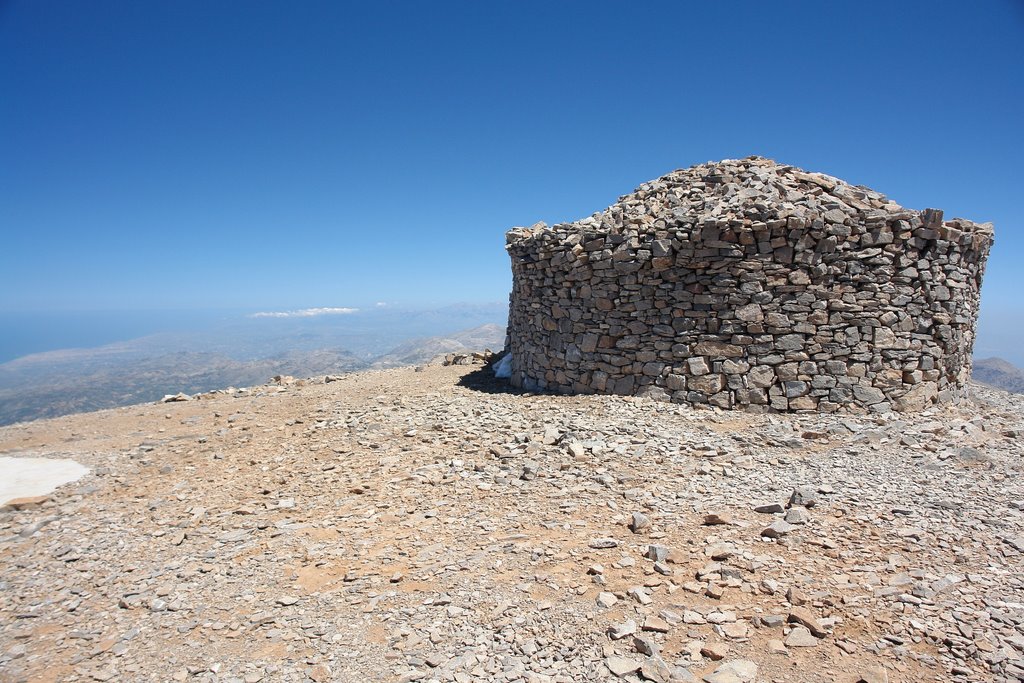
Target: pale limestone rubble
point(431, 526)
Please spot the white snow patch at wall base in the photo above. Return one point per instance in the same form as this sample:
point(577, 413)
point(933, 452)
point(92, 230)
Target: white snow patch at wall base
point(503, 368)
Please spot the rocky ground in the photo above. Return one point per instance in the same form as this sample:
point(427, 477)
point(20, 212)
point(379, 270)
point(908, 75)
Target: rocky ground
point(407, 525)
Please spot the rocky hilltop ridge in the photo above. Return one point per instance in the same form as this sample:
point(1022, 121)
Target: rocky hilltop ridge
point(430, 525)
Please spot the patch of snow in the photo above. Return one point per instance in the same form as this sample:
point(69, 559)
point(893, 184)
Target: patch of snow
point(24, 477)
point(503, 368)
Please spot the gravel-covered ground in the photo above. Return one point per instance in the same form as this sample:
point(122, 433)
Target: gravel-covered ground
point(408, 525)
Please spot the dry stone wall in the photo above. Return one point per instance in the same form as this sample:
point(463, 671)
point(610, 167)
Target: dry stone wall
point(750, 284)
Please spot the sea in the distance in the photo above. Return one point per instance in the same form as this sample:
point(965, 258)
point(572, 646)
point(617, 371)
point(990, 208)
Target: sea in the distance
point(27, 332)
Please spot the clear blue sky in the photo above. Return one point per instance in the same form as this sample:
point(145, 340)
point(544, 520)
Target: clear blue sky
point(279, 155)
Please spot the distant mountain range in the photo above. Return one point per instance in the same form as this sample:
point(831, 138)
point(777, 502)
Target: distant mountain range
point(244, 353)
point(417, 351)
point(998, 373)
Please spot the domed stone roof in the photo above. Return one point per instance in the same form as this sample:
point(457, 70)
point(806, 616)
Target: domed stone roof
point(746, 195)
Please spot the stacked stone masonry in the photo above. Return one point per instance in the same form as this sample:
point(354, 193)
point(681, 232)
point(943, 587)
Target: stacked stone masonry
point(750, 284)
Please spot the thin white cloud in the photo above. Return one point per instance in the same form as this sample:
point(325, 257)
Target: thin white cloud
point(304, 313)
point(381, 304)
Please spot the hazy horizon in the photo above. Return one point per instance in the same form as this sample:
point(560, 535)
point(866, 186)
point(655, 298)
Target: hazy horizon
point(91, 361)
point(32, 332)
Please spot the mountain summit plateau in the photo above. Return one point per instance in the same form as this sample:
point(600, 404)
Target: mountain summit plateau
point(431, 525)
